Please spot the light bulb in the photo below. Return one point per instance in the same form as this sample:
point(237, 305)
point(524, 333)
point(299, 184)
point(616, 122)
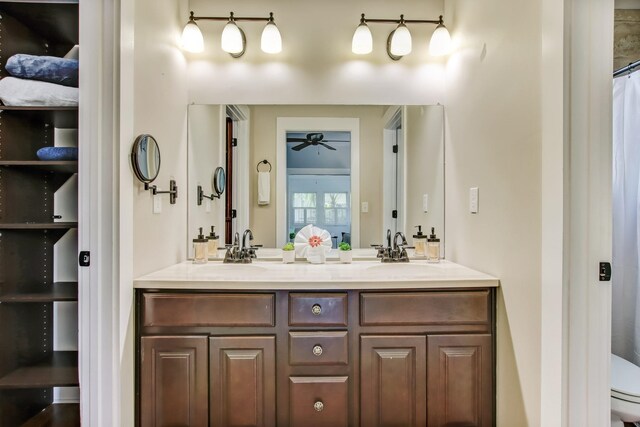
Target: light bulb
point(231, 40)
point(271, 41)
point(440, 43)
point(401, 41)
point(362, 42)
point(192, 38)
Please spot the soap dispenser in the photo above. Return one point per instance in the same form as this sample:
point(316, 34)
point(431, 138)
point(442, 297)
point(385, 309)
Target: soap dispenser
point(433, 247)
point(213, 243)
point(200, 249)
point(420, 243)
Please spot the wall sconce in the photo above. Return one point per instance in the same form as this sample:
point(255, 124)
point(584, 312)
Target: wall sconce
point(399, 42)
point(233, 40)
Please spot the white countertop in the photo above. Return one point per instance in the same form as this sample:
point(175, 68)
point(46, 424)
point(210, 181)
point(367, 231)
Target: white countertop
point(273, 275)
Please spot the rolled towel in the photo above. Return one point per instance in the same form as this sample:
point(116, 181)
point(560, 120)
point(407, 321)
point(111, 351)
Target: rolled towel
point(50, 69)
point(30, 93)
point(57, 153)
point(264, 188)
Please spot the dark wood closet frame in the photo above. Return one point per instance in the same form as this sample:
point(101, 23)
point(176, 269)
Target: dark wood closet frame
point(29, 368)
point(228, 209)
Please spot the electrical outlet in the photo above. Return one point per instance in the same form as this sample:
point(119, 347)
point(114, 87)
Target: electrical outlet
point(425, 203)
point(157, 204)
point(365, 207)
point(207, 206)
point(473, 200)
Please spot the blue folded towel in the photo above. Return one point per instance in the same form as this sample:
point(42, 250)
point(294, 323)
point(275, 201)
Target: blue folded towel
point(58, 153)
point(44, 68)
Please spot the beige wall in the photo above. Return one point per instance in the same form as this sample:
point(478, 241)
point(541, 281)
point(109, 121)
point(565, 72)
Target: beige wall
point(160, 109)
point(493, 141)
point(263, 146)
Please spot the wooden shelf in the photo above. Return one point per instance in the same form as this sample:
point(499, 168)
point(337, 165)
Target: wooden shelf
point(58, 291)
point(56, 166)
point(59, 369)
point(56, 415)
point(59, 117)
point(36, 108)
point(39, 226)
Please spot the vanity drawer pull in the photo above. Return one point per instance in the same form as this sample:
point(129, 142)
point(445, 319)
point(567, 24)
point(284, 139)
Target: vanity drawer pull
point(318, 406)
point(317, 350)
point(317, 309)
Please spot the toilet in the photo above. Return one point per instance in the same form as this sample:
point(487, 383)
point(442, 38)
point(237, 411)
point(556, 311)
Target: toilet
point(625, 391)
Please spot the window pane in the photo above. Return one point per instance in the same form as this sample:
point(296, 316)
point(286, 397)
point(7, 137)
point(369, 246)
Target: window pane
point(311, 216)
point(304, 200)
point(341, 216)
point(335, 200)
point(330, 216)
point(298, 216)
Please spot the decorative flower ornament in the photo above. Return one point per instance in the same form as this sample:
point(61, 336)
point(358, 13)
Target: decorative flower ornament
point(313, 243)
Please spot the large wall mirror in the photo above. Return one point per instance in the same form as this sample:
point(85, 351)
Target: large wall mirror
point(355, 170)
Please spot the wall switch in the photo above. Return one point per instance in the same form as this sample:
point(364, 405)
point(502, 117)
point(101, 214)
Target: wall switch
point(207, 206)
point(365, 207)
point(473, 200)
point(157, 204)
point(425, 203)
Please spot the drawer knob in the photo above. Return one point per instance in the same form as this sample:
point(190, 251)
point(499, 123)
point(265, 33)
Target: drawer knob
point(316, 310)
point(318, 406)
point(317, 350)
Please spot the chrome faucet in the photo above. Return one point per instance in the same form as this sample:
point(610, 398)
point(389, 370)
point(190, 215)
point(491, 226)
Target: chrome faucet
point(395, 253)
point(241, 255)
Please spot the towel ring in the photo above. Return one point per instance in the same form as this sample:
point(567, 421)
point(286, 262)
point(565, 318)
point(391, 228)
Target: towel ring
point(263, 162)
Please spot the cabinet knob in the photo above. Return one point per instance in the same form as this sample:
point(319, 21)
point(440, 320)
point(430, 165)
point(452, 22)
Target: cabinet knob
point(318, 406)
point(316, 310)
point(317, 350)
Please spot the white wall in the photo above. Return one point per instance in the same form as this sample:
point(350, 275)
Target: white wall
point(160, 109)
point(316, 65)
point(493, 141)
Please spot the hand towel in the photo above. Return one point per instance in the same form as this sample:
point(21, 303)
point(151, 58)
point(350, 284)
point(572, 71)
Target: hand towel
point(264, 188)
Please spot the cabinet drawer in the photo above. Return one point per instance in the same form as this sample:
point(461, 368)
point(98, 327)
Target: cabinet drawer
point(318, 401)
point(317, 309)
point(172, 309)
point(318, 348)
point(425, 308)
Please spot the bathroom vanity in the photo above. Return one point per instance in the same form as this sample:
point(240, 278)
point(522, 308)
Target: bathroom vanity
point(363, 344)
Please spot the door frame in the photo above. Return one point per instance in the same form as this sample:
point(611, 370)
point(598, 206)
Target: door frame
point(301, 124)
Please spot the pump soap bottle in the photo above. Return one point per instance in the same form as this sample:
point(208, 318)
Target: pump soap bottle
point(433, 247)
point(200, 249)
point(213, 243)
point(420, 243)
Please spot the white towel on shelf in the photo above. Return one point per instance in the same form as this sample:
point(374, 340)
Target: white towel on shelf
point(264, 188)
point(32, 93)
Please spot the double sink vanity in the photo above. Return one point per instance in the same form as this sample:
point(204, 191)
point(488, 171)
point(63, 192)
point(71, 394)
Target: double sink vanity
point(360, 344)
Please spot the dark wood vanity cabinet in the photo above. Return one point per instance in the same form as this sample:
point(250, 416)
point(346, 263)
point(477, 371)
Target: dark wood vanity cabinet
point(316, 359)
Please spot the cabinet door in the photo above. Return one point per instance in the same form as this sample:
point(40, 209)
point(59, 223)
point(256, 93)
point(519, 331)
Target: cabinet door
point(174, 388)
point(243, 381)
point(393, 381)
point(460, 380)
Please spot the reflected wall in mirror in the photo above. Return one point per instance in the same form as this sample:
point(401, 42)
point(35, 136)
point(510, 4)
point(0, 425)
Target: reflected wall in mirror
point(352, 169)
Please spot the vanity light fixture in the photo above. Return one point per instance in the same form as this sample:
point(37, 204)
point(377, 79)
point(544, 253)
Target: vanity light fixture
point(233, 40)
point(399, 42)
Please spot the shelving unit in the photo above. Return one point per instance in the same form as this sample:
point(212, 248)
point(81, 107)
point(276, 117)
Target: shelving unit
point(38, 237)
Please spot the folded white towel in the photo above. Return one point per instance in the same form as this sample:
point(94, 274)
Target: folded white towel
point(264, 188)
point(32, 93)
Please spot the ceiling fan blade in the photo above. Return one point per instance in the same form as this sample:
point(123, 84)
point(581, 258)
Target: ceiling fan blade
point(333, 140)
point(301, 146)
point(296, 139)
point(327, 146)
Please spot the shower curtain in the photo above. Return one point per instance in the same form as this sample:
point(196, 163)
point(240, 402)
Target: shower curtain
point(625, 332)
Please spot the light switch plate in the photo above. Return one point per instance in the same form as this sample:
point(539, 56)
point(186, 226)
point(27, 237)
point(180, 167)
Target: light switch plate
point(365, 207)
point(425, 203)
point(473, 200)
point(157, 204)
point(207, 206)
